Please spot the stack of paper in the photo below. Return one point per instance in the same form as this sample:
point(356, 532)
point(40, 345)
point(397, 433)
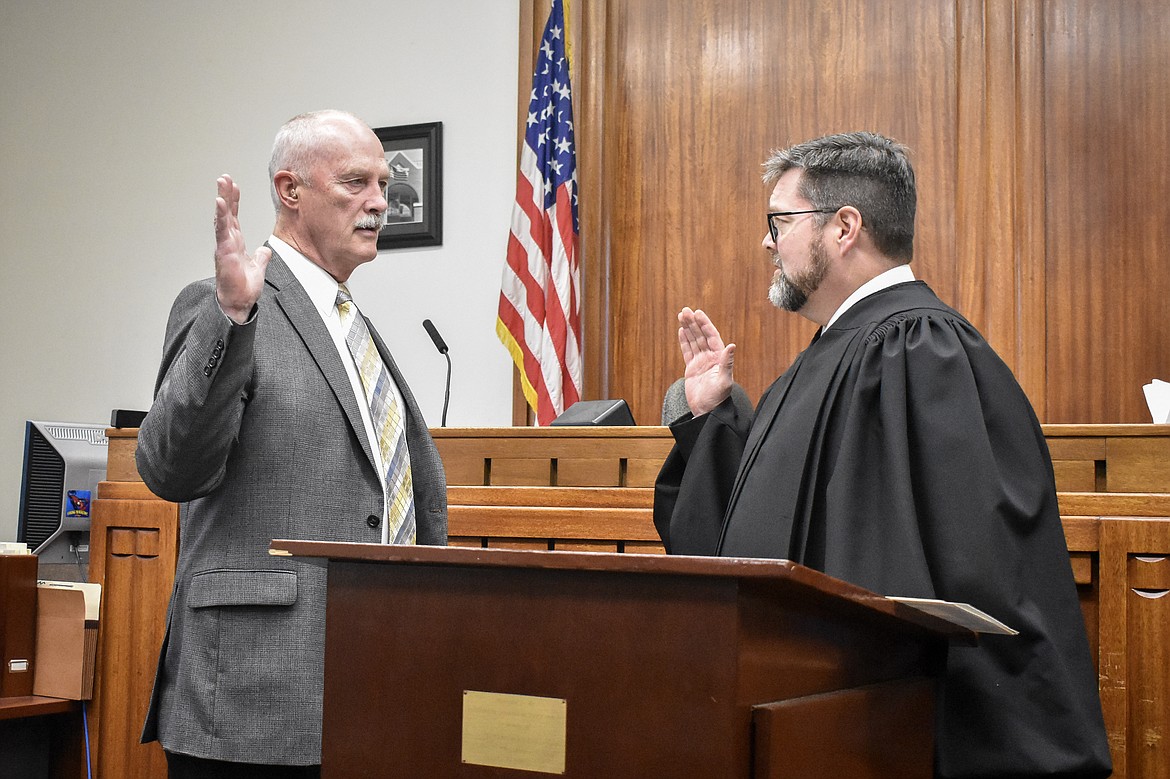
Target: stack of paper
point(1158, 399)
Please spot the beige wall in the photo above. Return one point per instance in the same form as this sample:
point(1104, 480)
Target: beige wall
point(115, 119)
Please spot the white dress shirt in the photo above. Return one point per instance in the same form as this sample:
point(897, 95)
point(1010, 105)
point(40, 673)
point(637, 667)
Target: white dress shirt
point(896, 275)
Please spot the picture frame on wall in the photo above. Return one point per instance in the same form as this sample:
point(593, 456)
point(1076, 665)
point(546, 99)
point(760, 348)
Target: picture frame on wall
point(414, 193)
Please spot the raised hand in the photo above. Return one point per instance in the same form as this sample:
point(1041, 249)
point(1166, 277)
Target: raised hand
point(239, 278)
point(709, 363)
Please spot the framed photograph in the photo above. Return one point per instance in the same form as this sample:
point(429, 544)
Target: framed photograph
point(414, 153)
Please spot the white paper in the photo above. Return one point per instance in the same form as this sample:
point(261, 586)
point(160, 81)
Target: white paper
point(92, 592)
point(962, 614)
point(1158, 399)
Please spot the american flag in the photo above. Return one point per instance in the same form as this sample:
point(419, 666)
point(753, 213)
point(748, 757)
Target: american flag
point(540, 305)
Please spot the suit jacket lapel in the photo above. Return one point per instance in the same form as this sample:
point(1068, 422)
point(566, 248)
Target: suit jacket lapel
point(305, 319)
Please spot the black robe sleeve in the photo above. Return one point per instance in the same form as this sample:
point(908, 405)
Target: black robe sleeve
point(692, 489)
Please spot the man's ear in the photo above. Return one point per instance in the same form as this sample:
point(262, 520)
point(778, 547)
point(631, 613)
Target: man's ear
point(287, 188)
point(848, 227)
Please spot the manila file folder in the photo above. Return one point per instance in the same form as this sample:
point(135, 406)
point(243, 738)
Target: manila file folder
point(67, 620)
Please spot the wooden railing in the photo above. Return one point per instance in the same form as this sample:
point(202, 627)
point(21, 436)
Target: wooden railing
point(576, 489)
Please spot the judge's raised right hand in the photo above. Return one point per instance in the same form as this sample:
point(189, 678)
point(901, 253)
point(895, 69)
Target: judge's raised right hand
point(709, 363)
point(239, 278)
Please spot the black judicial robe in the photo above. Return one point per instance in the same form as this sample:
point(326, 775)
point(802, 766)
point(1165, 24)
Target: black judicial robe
point(899, 453)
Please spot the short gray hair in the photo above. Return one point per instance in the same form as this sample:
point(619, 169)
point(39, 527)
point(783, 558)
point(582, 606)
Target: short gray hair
point(295, 145)
point(865, 170)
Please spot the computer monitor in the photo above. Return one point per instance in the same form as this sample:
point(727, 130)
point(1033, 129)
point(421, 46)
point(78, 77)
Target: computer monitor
point(63, 464)
point(596, 412)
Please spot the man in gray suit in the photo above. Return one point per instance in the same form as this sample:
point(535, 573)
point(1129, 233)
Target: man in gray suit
point(261, 429)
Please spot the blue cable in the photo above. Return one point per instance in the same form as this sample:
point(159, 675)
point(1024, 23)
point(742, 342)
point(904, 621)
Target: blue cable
point(85, 729)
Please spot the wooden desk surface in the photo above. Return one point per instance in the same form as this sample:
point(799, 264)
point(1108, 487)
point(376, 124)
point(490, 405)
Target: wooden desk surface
point(34, 706)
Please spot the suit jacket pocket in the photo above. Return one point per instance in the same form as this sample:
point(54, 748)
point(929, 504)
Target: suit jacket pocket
point(236, 587)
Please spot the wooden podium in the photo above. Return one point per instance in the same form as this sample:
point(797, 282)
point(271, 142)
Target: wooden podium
point(489, 663)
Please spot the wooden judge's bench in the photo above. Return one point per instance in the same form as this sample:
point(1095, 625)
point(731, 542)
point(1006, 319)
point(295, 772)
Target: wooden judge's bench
point(590, 489)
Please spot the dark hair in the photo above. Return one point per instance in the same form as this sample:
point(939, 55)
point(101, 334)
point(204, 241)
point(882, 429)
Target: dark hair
point(865, 170)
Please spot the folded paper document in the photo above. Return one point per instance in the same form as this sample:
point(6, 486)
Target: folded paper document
point(1158, 399)
point(962, 614)
point(67, 620)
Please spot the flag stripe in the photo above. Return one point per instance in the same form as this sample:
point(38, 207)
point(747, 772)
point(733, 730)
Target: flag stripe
point(539, 320)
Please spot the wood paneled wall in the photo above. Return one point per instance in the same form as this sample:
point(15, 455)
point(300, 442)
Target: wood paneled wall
point(1106, 105)
point(1037, 131)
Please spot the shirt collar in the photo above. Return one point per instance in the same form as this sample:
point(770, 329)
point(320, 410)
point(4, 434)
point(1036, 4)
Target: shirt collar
point(319, 285)
point(899, 274)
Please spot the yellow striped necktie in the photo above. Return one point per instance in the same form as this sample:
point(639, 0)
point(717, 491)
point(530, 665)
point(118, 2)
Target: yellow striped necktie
point(386, 416)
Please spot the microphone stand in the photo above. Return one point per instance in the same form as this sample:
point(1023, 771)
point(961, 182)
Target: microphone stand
point(447, 391)
point(441, 345)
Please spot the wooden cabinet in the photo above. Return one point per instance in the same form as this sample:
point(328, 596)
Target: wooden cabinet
point(1113, 483)
point(134, 544)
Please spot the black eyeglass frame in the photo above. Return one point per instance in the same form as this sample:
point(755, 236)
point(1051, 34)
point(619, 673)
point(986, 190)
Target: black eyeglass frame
point(772, 231)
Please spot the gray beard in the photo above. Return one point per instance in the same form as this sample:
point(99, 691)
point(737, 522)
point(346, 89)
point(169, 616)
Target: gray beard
point(790, 293)
point(785, 295)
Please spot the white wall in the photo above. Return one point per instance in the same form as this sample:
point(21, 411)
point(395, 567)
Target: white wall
point(116, 118)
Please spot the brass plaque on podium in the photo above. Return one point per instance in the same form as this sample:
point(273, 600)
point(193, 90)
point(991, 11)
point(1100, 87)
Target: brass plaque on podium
point(522, 732)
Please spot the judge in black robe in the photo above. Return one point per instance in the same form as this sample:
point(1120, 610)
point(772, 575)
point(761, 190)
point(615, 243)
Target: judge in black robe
point(899, 453)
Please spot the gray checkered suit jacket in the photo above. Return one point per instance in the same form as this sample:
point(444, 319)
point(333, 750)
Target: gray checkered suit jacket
point(256, 432)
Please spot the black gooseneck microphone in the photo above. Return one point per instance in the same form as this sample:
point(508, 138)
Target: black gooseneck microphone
point(441, 345)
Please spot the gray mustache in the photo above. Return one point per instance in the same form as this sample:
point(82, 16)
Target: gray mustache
point(371, 222)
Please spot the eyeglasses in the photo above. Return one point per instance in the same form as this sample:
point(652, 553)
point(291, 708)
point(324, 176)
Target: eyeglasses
point(774, 231)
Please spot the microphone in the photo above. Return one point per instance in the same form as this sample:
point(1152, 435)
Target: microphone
point(441, 345)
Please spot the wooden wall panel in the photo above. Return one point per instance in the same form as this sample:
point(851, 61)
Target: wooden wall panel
point(997, 185)
point(1107, 176)
point(1036, 126)
point(696, 95)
